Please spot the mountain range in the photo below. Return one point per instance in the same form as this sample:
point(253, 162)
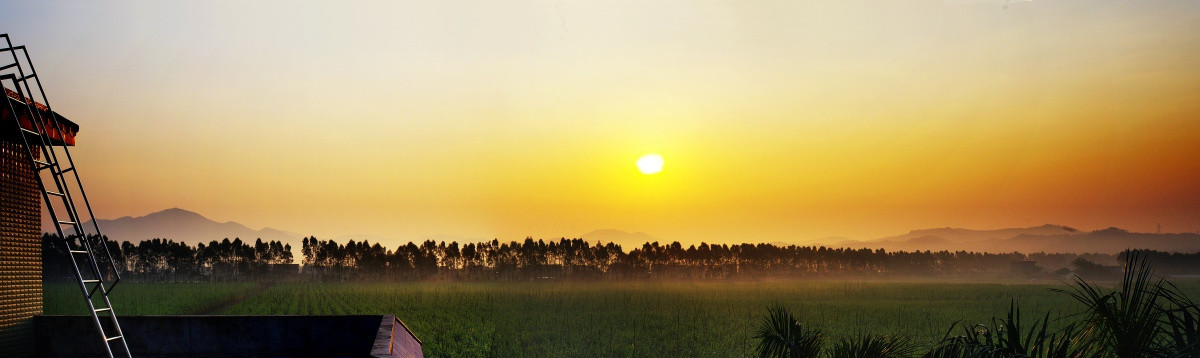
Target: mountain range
point(1045, 238)
point(190, 227)
point(186, 226)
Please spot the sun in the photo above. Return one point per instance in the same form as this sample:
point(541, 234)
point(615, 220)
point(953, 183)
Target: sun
point(650, 164)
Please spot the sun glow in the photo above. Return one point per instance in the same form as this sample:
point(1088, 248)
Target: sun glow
point(650, 164)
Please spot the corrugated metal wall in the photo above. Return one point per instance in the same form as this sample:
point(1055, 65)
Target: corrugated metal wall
point(20, 252)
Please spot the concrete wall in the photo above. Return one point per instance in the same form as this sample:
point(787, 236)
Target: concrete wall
point(20, 250)
point(233, 336)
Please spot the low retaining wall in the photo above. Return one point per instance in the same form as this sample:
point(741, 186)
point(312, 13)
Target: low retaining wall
point(233, 336)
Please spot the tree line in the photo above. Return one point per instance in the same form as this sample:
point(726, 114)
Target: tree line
point(162, 260)
point(573, 259)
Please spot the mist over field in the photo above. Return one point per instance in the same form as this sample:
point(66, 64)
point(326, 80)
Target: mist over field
point(193, 228)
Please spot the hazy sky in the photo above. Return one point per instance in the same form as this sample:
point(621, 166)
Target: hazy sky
point(778, 120)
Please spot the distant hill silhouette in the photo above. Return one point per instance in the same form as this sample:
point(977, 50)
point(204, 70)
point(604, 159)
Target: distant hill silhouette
point(186, 226)
point(1109, 240)
point(627, 240)
point(969, 235)
point(1045, 238)
point(190, 227)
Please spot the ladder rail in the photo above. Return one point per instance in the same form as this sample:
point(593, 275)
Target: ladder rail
point(63, 190)
point(52, 163)
point(74, 171)
point(30, 151)
point(31, 154)
point(61, 183)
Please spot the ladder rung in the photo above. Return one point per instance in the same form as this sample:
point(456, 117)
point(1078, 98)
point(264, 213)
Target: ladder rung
point(5, 67)
point(98, 310)
point(33, 132)
point(55, 193)
point(113, 338)
point(31, 75)
point(68, 222)
point(91, 281)
point(66, 170)
point(78, 251)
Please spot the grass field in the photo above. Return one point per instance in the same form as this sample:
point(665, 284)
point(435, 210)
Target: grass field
point(143, 298)
point(627, 319)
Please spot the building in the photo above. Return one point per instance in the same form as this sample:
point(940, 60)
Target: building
point(25, 332)
point(20, 229)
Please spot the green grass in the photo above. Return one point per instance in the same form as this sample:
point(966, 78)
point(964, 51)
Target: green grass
point(628, 319)
point(645, 319)
point(143, 298)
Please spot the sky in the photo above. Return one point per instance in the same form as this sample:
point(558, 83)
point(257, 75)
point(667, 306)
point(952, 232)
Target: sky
point(792, 121)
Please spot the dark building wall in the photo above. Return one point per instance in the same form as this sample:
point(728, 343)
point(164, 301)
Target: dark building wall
point(20, 251)
point(371, 336)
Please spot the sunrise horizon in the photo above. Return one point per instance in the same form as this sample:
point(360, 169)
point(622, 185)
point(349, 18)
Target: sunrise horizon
point(789, 123)
point(620, 236)
point(613, 178)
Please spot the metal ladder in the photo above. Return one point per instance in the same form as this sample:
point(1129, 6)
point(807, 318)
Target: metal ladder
point(43, 157)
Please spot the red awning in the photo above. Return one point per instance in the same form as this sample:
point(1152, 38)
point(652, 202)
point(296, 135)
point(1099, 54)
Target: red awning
point(60, 130)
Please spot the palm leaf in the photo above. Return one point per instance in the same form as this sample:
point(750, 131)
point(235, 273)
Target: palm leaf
point(872, 346)
point(782, 336)
point(1126, 321)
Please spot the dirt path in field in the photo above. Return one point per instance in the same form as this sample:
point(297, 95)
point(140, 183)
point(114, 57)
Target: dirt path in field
point(217, 307)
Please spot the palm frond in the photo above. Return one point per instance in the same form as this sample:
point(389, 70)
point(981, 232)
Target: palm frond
point(1009, 338)
point(1127, 320)
point(872, 346)
point(782, 336)
point(1182, 332)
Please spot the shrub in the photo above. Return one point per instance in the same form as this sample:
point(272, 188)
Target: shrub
point(1144, 317)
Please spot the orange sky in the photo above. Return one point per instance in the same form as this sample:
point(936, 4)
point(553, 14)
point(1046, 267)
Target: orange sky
point(778, 122)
